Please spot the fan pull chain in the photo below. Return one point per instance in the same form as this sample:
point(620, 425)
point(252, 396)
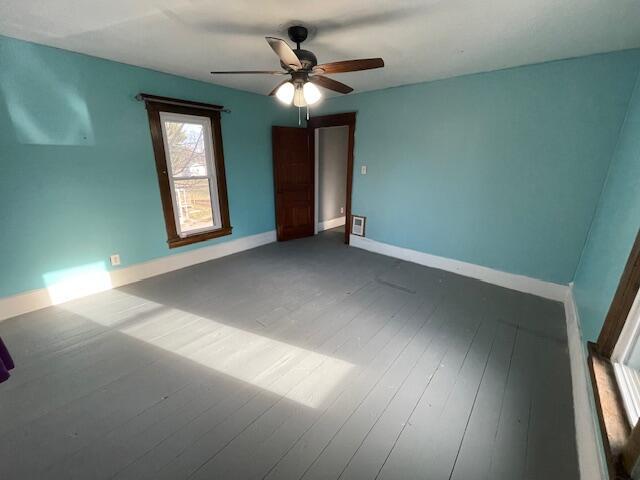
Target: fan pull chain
point(299, 119)
point(307, 113)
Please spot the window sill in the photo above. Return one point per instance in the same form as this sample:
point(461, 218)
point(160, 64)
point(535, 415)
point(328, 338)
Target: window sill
point(614, 426)
point(199, 237)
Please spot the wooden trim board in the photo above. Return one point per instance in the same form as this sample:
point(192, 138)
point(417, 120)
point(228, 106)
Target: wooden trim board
point(622, 302)
point(614, 427)
point(166, 105)
point(521, 283)
point(333, 223)
point(41, 298)
point(591, 455)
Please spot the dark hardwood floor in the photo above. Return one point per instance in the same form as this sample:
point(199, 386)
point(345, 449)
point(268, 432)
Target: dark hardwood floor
point(304, 359)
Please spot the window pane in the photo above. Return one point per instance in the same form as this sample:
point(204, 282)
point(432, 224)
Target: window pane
point(186, 149)
point(194, 204)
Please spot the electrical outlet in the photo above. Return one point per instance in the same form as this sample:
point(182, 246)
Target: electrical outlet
point(115, 260)
point(363, 169)
point(341, 209)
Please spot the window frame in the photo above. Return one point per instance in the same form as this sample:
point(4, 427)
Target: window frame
point(211, 177)
point(621, 441)
point(155, 109)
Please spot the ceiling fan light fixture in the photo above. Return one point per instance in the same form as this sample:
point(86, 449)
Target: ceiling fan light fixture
point(285, 93)
point(311, 93)
point(302, 67)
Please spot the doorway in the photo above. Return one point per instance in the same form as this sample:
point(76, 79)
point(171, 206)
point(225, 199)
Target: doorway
point(296, 178)
point(332, 143)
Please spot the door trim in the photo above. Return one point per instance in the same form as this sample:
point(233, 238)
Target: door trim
point(347, 119)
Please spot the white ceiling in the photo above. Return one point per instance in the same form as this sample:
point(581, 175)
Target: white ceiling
point(419, 40)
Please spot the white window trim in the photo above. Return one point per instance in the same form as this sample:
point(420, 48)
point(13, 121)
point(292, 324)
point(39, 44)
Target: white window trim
point(627, 378)
point(212, 176)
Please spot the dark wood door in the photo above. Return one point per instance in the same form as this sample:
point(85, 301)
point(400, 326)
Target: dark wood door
point(293, 173)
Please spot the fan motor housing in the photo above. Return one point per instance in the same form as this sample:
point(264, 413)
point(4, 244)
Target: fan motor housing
point(298, 34)
point(307, 59)
point(300, 77)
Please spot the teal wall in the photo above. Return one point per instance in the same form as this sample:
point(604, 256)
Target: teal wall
point(77, 174)
point(614, 228)
point(502, 169)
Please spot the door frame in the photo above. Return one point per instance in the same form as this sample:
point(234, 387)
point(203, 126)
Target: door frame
point(346, 119)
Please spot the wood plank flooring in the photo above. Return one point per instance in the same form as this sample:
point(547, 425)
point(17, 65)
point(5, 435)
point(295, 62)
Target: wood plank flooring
point(305, 359)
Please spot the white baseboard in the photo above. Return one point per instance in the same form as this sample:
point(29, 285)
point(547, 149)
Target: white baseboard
point(333, 223)
point(43, 297)
point(590, 453)
point(521, 283)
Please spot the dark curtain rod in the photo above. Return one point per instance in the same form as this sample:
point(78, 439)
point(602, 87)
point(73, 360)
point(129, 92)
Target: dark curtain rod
point(145, 97)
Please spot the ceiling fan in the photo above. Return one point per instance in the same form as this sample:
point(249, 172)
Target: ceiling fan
point(302, 66)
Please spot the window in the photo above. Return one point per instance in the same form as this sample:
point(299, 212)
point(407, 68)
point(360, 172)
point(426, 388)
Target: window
point(187, 144)
point(614, 365)
point(626, 363)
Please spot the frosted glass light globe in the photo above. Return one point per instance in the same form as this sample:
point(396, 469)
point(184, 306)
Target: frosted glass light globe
point(311, 93)
point(285, 93)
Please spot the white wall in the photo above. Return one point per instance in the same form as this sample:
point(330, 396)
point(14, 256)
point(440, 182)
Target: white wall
point(332, 144)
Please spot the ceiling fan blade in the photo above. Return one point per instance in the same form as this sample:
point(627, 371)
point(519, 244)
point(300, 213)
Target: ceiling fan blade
point(283, 50)
point(349, 65)
point(275, 89)
point(330, 84)
point(251, 72)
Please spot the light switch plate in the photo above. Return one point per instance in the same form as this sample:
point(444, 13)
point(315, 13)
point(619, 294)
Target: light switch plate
point(115, 260)
point(363, 169)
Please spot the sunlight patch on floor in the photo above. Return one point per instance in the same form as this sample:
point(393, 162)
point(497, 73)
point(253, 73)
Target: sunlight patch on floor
point(301, 375)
